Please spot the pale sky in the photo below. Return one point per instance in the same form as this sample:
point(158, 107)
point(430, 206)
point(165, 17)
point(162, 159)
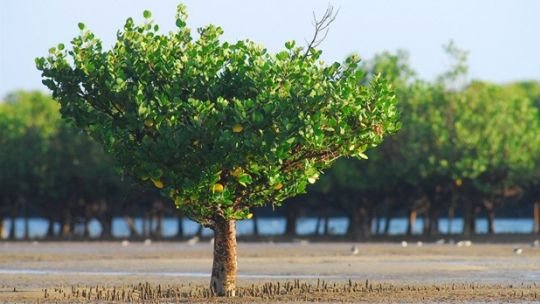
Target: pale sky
point(502, 36)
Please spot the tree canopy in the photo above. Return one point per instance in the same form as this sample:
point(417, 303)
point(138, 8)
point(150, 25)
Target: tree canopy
point(219, 127)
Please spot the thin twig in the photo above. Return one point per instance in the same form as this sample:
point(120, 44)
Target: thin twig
point(321, 26)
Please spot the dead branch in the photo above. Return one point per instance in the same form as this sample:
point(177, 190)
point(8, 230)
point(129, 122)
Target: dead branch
point(321, 26)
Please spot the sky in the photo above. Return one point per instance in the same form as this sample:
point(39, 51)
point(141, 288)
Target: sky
point(501, 36)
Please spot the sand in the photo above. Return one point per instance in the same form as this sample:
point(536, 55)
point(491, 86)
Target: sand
point(429, 273)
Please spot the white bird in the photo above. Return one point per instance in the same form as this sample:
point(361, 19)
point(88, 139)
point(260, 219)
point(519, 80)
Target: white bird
point(404, 244)
point(354, 250)
point(192, 241)
point(440, 242)
point(518, 250)
point(535, 243)
point(147, 242)
point(419, 244)
point(125, 243)
point(464, 243)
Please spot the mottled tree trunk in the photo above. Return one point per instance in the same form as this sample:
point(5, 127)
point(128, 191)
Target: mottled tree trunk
point(223, 281)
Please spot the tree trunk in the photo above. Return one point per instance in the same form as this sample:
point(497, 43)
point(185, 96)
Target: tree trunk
point(255, 225)
point(426, 229)
point(389, 216)
point(159, 225)
point(317, 226)
point(199, 231)
point(144, 225)
point(490, 212)
point(223, 281)
point(378, 225)
point(359, 224)
point(106, 226)
point(180, 229)
point(469, 227)
point(50, 228)
point(86, 228)
point(1, 227)
point(290, 226)
point(536, 217)
point(433, 222)
point(131, 226)
point(12, 228)
point(451, 212)
point(26, 228)
point(410, 223)
point(326, 227)
point(26, 221)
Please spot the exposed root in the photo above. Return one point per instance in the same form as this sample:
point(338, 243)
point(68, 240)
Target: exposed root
point(312, 291)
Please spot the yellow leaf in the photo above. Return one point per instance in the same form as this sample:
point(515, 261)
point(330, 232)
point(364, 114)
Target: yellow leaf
point(237, 128)
point(217, 187)
point(158, 184)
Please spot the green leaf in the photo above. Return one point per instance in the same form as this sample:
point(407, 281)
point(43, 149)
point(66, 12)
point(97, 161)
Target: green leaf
point(290, 44)
point(180, 23)
point(81, 26)
point(245, 180)
point(362, 155)
point(147, 14)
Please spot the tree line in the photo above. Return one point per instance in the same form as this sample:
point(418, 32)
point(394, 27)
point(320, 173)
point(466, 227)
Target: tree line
point(465, 148)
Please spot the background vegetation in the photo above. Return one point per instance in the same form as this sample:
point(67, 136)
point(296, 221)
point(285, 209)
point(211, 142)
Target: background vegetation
point(466, 148)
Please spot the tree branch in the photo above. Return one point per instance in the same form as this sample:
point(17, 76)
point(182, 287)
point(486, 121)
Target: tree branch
point(321, 26)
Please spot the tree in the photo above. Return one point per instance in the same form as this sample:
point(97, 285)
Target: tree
point(219, 127)
point(27, 121)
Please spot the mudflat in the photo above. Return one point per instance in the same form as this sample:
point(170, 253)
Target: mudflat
point(286, 272)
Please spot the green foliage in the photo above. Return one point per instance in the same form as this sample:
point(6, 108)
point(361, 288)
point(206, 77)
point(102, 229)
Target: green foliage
point(220, 127)
point(27, 121)
point(482, 135)
point(46, 161)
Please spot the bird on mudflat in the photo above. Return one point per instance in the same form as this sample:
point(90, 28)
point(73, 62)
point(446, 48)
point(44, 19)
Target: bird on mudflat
point(354, 250)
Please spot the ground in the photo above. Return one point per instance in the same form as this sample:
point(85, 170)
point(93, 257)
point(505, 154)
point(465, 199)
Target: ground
point(385, 272)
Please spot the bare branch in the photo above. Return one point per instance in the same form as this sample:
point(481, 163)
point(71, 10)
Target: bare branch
point(321, 26)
